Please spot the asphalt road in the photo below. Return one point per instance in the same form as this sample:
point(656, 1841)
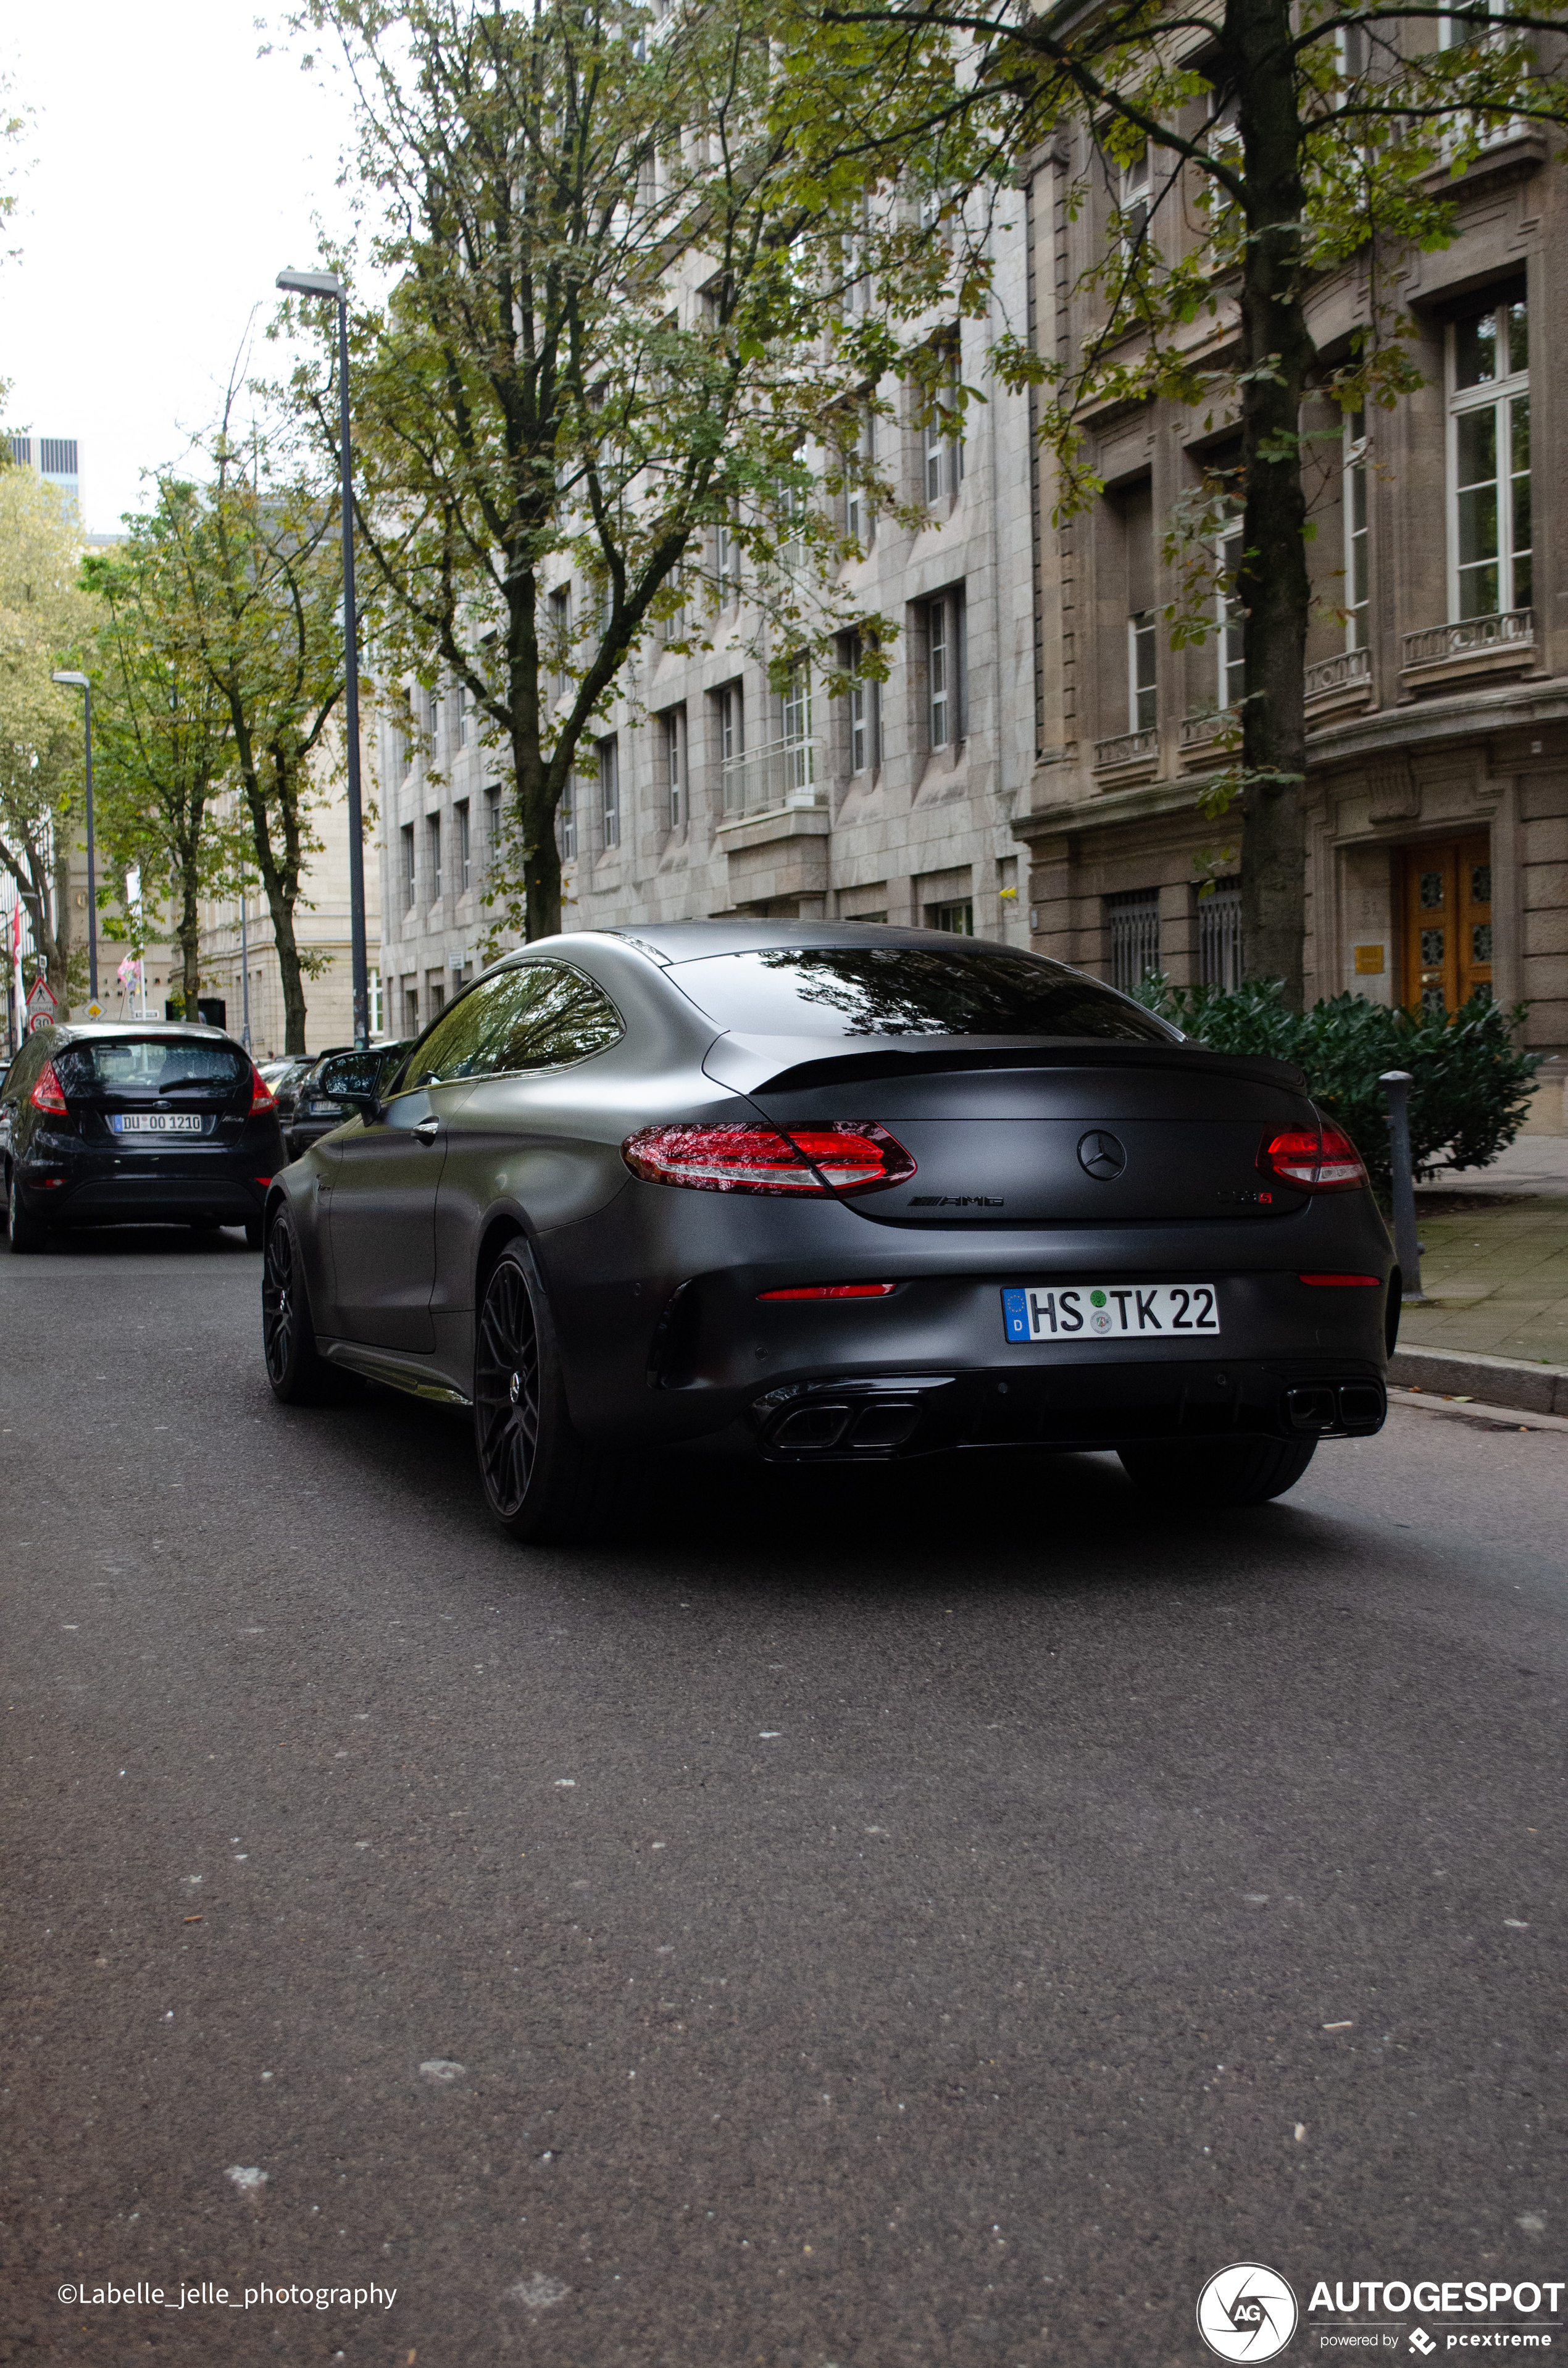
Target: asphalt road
point(940, 1921)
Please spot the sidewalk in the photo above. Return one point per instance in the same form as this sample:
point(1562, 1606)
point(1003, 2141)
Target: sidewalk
point(1495, 1261)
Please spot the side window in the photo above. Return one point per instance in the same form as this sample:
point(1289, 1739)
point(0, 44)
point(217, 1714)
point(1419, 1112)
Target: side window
point(540, 1015)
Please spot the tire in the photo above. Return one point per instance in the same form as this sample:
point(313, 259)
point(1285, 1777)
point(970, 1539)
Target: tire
point(296, 1372)
point(539, 1481)
point(1228, 1471)
point(25, 1230)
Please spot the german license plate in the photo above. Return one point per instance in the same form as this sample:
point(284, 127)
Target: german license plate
point(157, 1123)
point(1092, 1311)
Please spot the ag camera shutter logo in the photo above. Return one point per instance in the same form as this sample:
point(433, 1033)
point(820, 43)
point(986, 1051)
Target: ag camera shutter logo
point(1247, 2312)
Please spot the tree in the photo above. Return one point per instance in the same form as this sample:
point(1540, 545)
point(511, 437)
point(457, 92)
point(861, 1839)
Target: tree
point(44, 620)
point(256, 554)
point(1306, 133)
point(604, 347)
point(163, 731)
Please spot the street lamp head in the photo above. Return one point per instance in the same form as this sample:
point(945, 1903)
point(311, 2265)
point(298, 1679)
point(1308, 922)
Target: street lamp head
point(79, 681)
point(311, 283)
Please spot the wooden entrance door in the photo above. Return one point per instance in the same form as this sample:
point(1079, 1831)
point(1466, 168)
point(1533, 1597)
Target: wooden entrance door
point(1448, 923)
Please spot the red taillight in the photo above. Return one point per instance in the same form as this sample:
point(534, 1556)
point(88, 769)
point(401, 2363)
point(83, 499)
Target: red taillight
point(1315, 1159)
point(262, 1098)
point(844, 1157)
point(1341, 1281)
point(48, 1094)
point(835, 1290)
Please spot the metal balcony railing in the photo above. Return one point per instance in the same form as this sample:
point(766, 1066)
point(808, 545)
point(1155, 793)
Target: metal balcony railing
point(1126, 748)
point(1346, 672)
point(1472, 637)
point(771, 780)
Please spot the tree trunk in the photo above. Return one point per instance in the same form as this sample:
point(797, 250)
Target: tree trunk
point(1272, 584)
point(55, 943)
point(188, 933)
point(280, 883)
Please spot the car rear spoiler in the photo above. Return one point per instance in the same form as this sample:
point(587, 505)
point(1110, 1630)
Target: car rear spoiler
point(782, 1063)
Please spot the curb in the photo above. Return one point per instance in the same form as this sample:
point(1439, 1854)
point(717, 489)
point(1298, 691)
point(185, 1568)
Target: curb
point(1497, 1380)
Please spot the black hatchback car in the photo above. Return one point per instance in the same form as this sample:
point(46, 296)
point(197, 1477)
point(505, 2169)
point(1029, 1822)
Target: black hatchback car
point(842, 1195)
point(139, 1122)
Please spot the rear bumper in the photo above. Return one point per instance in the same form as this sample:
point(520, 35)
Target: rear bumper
point(93, 1187)
point(859, 1418)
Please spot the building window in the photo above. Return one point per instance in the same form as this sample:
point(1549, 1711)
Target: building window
point(464, 846)
point(673, 726)
point(1356, 543)
point(411, 1011)
point(566, 819)
point(943, 440)
point(945, 669)
point(436, 985)
point(492, 824)
point(610, 791)
point(1489, 460)
point(731, 723)
point(1231, 683)
point(558, 632)
point(1142, 666)
point(433, 830)
point(459, 716)
point(1133, 923)
point(957, 914)
point(1134, 201)
point(860, 499)
point(726, 564)
point(374, 1014)
point(795, 719)
point(1219, 937)
point(410, 869)
point(865, 710)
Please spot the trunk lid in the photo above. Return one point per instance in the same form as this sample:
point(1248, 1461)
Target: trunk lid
point(1092, 1134)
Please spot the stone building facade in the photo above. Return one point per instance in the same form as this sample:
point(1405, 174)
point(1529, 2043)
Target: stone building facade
point(1030, 770)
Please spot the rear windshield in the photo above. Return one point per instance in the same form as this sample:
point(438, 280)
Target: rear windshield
point(909, 991)
point(149, 1065)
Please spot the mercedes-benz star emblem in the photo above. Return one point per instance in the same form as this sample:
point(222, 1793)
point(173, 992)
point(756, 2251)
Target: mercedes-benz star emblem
point(1101, 1156)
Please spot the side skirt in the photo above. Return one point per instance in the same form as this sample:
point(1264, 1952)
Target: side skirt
point(398, 1373)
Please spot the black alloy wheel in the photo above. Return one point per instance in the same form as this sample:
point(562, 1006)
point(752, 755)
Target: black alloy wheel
point(300, 1375)
point(1217, 1472)
point(538, 1479)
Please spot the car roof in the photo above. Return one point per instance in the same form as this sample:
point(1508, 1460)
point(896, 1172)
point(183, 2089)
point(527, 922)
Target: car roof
point(96, 1030)
point(680, 941)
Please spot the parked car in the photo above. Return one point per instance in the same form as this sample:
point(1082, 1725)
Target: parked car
point(315, 1111)
point(845, 1193)
point(286, 1078)
point(139, 1122)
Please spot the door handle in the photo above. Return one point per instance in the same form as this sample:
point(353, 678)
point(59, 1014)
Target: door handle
point(427, 1130)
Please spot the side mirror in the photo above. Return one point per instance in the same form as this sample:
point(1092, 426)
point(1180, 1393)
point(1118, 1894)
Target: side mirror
point(352, 1078)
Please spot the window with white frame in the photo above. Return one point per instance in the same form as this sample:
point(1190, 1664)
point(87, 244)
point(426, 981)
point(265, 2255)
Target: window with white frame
point(374, 1013)
point(492, 824)
point(410, 869)
point(1134, 197)
point(731, 723)
point(1357, 546)
point(1489, 460)
point(609, 790)
point(726, 564)
point(860, 501)
point(865, 709)
point(459, 716)
point(433, 843)
point(945, 669)
point(672, 722)
point(795, 718)
point(1230, 639)
point(464, 846)
point(943, 440)
point(1142, 670)
point(566, 819)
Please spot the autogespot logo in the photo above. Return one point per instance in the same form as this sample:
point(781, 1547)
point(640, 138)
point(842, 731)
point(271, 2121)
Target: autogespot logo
point(1247, 2312)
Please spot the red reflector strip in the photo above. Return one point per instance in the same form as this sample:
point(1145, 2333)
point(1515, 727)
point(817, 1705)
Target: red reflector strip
point(264, 1179)
point(835, 1290)
point(1341, 1281)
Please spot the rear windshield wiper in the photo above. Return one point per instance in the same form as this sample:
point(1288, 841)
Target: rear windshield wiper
point(219, 1085)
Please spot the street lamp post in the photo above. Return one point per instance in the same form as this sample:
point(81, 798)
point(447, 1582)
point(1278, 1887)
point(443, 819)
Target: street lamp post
point(327, 283)
point(79, 682)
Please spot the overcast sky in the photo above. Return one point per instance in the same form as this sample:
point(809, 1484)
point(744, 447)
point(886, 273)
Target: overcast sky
point(173, 172)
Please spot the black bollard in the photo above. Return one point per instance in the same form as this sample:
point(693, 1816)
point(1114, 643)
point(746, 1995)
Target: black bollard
point(1396, 1084)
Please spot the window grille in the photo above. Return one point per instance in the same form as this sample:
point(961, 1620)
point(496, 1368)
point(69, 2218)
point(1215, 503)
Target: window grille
point(1219, 937)
point(1132, 920)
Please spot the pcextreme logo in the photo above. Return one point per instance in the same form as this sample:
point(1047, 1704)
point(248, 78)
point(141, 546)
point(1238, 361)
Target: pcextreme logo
point(1247, 2312)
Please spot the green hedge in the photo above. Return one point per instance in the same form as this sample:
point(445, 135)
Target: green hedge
point(1471, 1089)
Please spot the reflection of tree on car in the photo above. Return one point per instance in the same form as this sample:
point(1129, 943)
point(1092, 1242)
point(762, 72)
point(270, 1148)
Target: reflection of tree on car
point(889, 991)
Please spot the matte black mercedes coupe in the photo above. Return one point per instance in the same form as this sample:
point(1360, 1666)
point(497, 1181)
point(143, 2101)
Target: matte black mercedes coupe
point(841, 1193)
